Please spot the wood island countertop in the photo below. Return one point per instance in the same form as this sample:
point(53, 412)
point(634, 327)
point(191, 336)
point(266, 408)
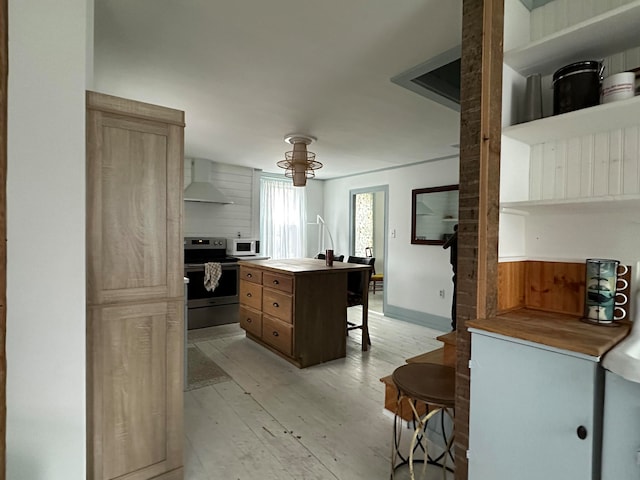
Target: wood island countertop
point(303, 265)
point(561, 331)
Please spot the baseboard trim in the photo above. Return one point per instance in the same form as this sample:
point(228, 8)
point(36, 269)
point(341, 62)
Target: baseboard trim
point(436, 322)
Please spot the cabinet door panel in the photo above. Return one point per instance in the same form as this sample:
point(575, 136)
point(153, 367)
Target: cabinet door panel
point(135, 212)
point(526, 406)
point(621, 437)
point(130, 227)
point(135, 396)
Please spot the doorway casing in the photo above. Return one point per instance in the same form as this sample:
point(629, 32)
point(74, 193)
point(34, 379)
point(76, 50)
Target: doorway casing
point(385, 228)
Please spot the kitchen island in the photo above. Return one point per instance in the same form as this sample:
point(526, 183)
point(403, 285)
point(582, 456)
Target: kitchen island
point(297, 308)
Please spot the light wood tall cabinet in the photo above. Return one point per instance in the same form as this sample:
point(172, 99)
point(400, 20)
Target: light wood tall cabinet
point(135, 291)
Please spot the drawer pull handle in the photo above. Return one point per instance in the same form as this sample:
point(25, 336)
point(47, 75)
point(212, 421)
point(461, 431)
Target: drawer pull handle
point(248, 320)
point(248, 294)
point(249, 275)
point(275, 304)
point(276, 334)
point(276, 282)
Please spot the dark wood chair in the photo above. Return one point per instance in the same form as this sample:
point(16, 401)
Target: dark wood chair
point(356, 290)
point(375, 277)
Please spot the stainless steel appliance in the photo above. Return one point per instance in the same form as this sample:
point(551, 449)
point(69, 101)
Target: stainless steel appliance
point(206, 309)
point(241, 247)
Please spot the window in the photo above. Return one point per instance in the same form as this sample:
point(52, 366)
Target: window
point(282, 218)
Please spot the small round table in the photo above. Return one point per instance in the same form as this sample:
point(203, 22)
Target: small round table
point(435, 386)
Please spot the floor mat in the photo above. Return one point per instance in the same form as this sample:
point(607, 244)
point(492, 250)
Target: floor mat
point(202, 371)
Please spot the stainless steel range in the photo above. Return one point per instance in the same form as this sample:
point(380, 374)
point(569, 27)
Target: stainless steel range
point(206, 309)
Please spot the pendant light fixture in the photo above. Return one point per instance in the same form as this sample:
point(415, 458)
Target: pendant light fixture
point(299, 163)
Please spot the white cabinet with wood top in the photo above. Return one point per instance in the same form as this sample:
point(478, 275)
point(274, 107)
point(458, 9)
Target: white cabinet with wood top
point(135, 292)
point(535, 411)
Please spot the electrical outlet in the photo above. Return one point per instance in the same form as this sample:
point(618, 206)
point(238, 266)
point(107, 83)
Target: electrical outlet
point(442, 293)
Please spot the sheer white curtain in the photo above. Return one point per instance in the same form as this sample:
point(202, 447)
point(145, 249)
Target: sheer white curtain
point(282, 218)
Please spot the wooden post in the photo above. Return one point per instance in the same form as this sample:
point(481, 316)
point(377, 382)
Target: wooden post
point(4, 70)
point(480, 133)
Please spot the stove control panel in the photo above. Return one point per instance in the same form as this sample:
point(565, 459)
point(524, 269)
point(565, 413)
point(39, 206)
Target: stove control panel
point(192, 243)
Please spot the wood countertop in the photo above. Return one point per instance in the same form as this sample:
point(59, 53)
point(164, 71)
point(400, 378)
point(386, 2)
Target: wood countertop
point(303, 265)
point(561, 331)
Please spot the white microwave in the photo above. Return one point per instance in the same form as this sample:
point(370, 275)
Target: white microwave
point(242, 247)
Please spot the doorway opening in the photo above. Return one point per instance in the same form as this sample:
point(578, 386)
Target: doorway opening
point(368, 224)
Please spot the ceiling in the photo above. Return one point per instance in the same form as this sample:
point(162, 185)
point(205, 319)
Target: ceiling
point(249, 72)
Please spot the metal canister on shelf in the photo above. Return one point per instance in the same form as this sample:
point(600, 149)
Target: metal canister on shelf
point(577, 86)
point(533, 98)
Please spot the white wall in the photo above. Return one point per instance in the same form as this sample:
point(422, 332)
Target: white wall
point(584, 235)
point(48, 55)
point(415, 273)
point(511, 244)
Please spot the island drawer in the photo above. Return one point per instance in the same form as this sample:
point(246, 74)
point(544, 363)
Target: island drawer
point(277, 304)
point(283, 283)
point(249, 274)
point(251, 294)
point(277, 334)
point(251, 320)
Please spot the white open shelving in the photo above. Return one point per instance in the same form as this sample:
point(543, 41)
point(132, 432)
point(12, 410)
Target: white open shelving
point(598, 37)
point(600, 118)
point(604, 204)
point(612, 32)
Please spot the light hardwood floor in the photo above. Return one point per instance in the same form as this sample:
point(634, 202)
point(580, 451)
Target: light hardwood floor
point(275, 421)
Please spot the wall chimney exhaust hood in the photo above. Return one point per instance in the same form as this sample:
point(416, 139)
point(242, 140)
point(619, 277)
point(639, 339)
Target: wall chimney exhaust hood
point(201, 189)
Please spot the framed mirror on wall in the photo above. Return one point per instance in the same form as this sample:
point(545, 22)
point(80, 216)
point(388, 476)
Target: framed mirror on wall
point(434, 214)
